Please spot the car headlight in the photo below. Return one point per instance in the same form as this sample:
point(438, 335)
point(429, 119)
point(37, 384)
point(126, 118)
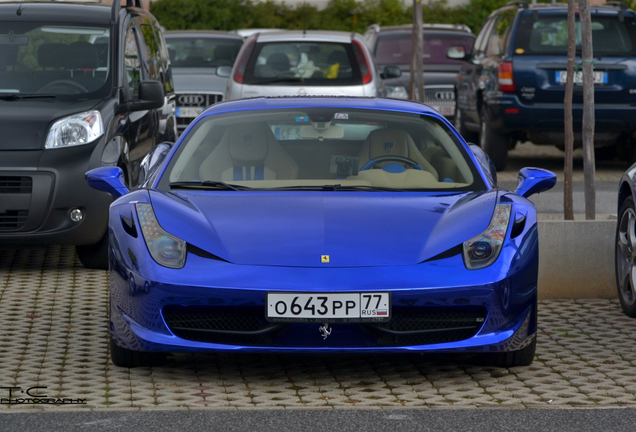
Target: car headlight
point(75, 130)
point(483, 250)
point(166, 249)
point(398, 92)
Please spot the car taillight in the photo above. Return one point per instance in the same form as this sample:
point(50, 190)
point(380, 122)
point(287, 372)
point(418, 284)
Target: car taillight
point(241, 63)
point(365, 69)
point(504, 75)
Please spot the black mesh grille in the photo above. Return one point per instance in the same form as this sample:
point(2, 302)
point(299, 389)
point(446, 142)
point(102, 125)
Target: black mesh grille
point(11, 185)
point(247, 326)
point(13, 220)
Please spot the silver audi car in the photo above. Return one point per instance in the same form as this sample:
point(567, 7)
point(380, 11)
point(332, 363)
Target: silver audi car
point(314, 63)
point(201, 63)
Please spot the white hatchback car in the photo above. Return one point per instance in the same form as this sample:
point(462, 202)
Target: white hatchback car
point(313, 63)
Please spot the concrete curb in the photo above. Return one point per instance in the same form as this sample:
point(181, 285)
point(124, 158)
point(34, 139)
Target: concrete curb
point(576, 258)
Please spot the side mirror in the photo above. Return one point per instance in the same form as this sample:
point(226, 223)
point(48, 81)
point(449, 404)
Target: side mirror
point(150, 96)
point(391, 72)
point(224, 71)
point(152, 161)
point(486, 163)
point(108, 179)
point(456, 52)
point(534, 180)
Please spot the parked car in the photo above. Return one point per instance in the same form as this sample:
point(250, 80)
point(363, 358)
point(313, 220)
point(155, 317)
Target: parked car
point(201, 61)
point(511, 87)
point(66, 108)
point(392, 46)
point(321, 225)
point(305, 63)
point(625, 257)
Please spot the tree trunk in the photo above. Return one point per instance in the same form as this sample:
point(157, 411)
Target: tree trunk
point(568, 201)
point(416, 84)
point(588, 109)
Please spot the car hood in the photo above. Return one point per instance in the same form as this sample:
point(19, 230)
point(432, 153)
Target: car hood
point(25, 123)
point(192, 80)
point(296, 228)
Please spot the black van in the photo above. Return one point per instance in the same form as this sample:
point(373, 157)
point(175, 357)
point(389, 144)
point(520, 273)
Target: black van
point(81, 86)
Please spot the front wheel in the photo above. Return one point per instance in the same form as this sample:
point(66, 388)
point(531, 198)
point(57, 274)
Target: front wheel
point(94, 256)
point(123, 357)
point(469, 136)
point(493, 143)
point(625, 256)
point(522, 357)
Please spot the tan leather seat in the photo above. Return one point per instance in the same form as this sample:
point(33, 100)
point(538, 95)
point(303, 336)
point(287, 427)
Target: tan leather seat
point(248, 152)
point(393, 142)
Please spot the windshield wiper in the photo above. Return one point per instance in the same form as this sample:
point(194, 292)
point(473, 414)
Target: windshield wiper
point(18, 96)
point(280, 80)
point(206, 184)
point(338, 187)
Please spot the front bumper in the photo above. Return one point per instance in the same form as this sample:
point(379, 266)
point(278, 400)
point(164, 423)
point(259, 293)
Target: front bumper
point(146, 301)
point(51, 184)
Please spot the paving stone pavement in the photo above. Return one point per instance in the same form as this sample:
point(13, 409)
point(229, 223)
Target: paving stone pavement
point(53, 334)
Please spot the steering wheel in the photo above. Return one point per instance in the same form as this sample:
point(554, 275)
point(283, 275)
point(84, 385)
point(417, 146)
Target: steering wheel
point(400, 159)
point(78, 88)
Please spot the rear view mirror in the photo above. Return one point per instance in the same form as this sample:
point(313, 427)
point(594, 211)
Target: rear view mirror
point(391, 72)
point(332, 132)
point(534, 180)
point(457, 52)
point(224, 71)
point(107, 179)
point(150, 96)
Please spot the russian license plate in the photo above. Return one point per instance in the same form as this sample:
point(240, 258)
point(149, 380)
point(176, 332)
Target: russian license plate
point(188, 112)
point(599, 77)
point(328, 307)
point(445, 110)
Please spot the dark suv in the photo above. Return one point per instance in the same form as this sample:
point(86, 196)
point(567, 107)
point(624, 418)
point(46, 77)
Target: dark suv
point(81, 86)
point(392, 46)
point(512, 86)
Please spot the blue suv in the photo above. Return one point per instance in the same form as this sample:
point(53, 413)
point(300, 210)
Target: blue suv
point(512, 85)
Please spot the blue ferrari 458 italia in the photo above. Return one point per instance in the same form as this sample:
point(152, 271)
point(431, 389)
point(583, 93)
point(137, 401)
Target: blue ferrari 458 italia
point(321, 225)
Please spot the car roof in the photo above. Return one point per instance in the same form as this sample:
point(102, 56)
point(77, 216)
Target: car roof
point(443, 27)
point(348, 102)
point(201, 33)
point(309, 35)
point(73, 13)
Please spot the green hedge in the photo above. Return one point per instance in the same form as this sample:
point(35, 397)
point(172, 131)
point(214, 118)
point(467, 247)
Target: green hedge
point(347, 15)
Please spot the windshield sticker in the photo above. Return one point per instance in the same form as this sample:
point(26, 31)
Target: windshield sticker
point(341, 116)
point(302, 119)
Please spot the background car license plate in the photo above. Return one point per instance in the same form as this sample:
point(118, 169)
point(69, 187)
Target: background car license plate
point(599, 77)
point(444, 110)
point(188, 112)
point(328, 307)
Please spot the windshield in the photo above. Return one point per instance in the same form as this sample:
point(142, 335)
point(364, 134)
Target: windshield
point(62, 60)
point(202, 52)
point(313, 63)
point(548, 34)
point(396, 48)
point(321, 149)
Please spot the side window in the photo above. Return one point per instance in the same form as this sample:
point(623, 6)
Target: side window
point(165, 60)
point(497, 42)
point(132, 64)
point(151, 47)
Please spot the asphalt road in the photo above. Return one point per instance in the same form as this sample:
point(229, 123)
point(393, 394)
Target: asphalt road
point(463, 420)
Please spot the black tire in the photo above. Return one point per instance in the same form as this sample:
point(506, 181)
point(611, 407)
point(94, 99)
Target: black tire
point(522, 357)
point(494, 144)
point(123, 357)
point(624, 257)
point(469, 136)
point(94, 256)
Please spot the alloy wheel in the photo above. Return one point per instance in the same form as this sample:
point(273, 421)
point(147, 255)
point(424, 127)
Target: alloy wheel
point(625, 257)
